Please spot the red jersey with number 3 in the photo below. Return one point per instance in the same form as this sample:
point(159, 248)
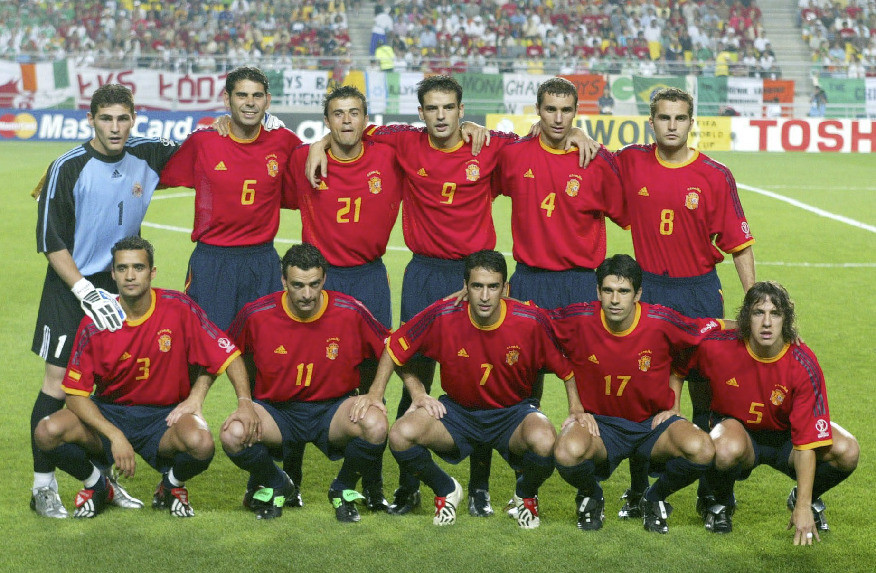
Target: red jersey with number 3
point(146, 362)
point(782, 393)
point(237, 183)
point(447, 211)
point(558, 209)
point(350, 215)
point(483, 368)
point(681, 214)
point(307, 360)
point(626, 374)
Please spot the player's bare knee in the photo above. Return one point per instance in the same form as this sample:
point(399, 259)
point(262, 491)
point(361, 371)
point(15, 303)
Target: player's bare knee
point(570, 449)
point(541, 438)
point(374, 426)
point(200, 445)
point(728, 453)
point(47, 434)
point(699, 448)
point(232, 437)
point(845, 452)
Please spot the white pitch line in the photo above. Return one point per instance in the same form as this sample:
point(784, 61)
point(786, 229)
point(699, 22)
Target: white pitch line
point(406, 250)
point(173, 195)
point(810, 208)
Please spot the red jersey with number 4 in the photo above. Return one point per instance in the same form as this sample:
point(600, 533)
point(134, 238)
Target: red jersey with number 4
point(483, 368)
point(782, 393)
point(350, 215)
point(626, 374)
point(146, 362)
point(681, 214)
point(447, 211)
point(307, 360)
point(558, 209)
point(237, 183)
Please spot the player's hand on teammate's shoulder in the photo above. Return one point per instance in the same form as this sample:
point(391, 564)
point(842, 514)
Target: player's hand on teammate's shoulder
point(477, 135)
point(588, 147)
point(316, 165)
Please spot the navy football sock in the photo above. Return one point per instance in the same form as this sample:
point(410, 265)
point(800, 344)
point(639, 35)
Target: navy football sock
point(185, 466)
point(257, 460)
point(536, 469)
point(826, 477)
point(480, 463)
point(680, 472)
point(293, 462)
point(582, 477)
point(72, 459)
point(418, 462)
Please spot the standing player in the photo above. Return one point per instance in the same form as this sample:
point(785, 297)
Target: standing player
point(622, 352)
point(143, 399)
point(90, 197)
point(769, 406)
point(305, 345)
point(683, 208)
point(500, 343)
point(238, 182)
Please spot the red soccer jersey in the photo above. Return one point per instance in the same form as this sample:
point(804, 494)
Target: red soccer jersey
point(782, 393)
point(350, 216)
point(311, 360)
point(483, 368)
point(447, 212)
point(626, 374)
point(557, 208)
point(238, 184)
point(677, 210)
point(147, 361)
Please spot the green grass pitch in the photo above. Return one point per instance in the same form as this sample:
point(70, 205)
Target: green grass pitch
point(826, 263)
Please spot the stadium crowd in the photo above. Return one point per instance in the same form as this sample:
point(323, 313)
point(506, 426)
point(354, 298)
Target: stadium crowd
point(841, 35)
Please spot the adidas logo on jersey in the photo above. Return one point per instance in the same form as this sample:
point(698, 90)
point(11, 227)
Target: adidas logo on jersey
point(124, 357)
point(322, 186)
point(462, 353)
point(281, 350)
point(116, 174)
point(644, 192)
point(220, 167)
point(528, 174)
point(593, 359)
point(732, 382)
point(422, 172)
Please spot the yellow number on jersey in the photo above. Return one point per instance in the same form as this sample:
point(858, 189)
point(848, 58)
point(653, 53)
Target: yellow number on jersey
point(623, 384)
point(247, 197)
point(549, 203)
point(302, 375)
point(447, 192)
point(144, 368)
point(487, 369)
point(758, 415)
point(667, 216)
point(344, 211)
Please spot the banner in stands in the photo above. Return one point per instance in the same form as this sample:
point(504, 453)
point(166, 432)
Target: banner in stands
point(155, 89)
point(36, 86)
point(812, 135)
point(72, 125)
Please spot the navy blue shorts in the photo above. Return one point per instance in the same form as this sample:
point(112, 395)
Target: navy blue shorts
point(59, 316)
point(368, 283)
point(553, 289)
point(223, 279)
point(427, 280)
point(491, 428)
point(696, 297)
point(143, 426)
point(306, 422)
point(771, 447)
point(624, 438)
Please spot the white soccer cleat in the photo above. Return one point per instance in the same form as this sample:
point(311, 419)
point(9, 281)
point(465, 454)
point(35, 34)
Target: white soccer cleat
point(445, 506)
point(527, 512)
point(47, 503)
point(121, 497)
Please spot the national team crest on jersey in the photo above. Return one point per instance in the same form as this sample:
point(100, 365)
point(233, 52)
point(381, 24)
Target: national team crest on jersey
point(375, 184)
point(137, 190)
point(332, 348)
point(164, 340)
point(573, 185)
point(472, 171)
point(645, 360)
point(778, 395)
point(692, 200)
point(512, 356)
point(273, 165)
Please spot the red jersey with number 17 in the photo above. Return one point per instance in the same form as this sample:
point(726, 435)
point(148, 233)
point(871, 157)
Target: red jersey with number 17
point(783, 393)
point(483, 367)
point(626, 374)
point(350, 215)
point(678, 210)
point(146, 363)
point(237, 184)
point(307, 360)
point(447, 211)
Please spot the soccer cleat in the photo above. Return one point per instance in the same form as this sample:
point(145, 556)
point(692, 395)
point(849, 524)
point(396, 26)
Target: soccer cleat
point(818, 508)
point(704, 503)
point(445, 506)
point(719, 518)
point(404, 501)
point(375, 501)
point(591, 512)
point(479, 503)
point(176, 500)
point(344, 502)
point(292, 498)
point(91, 501)
point(47, 503)
point(630, 509)
point(655, 514)
point(267, 503)
point(121, 497)
point(527, 512)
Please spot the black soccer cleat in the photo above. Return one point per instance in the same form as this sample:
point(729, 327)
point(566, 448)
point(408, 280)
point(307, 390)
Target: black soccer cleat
point(479, 503)
point(719, 518)
point(818, 508)
point(704, 503)
point(591, 512)
point(630, 509)
point(375, 501)
point(404, 501)
point(344, 502)
point(292, 497)
point(655, 514)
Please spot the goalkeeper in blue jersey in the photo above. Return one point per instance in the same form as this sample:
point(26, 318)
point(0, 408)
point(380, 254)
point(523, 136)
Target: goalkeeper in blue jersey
point(89, 198)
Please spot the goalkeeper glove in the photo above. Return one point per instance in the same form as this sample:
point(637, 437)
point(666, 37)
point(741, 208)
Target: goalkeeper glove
point(103, 308)
point(272, 122)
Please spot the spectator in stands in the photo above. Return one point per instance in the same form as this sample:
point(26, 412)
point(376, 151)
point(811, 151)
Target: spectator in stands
point(818, 103)
point(382, 25)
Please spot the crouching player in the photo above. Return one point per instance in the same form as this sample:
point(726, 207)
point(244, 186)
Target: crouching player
point(490, 351)
point(305, 345)
point(622, 351)
point(769, 406)
point(143, 398)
